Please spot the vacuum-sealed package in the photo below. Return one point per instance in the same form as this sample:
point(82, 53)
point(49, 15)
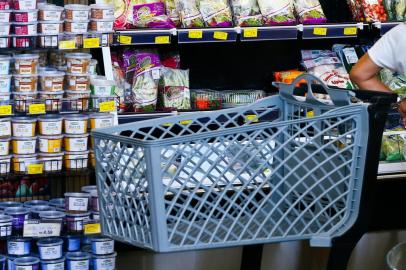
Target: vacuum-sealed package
point(174, 90)
point(277, 12)
point(246, 13)
point(216, 13)
point(189, 13)
point(310, 12)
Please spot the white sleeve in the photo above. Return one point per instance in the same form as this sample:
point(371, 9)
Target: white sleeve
point(383, 53)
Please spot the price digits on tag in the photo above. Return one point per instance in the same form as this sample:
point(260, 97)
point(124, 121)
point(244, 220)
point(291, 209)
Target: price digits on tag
point(250, 33)
point(350, 31)
point(195, 34)
point(162, 40)
point(107, 106)
point(124, 39)
point(220, 35)
point(5, 110)
point(67, 44)
point(91, 43)
point(318, 31)
point(35, 168)
point(36, 108)
point(92, 228)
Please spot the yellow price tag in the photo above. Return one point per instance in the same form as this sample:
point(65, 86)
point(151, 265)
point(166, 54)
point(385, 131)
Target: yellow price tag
point(67, 44)
point(6, 110)
point(167, 124)
point(350, 31)
point(162, 40)
point(320, 31)
point(92, 228)
point(89, 43)
point(220, 35)
point(186, 122)
point(195, 34)
point(36, 108)
point(252, 118)
point(124, 40)
point(310, 114)
point(250, 33)
point(35, 168)
point(107, 106)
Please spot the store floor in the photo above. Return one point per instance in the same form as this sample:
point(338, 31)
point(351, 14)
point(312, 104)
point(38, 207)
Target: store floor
point(369, 255)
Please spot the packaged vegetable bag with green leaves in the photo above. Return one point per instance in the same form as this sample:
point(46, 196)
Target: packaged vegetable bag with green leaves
point(216, 13)
point(277, 12)
point(174, 90)
point(189, 13)
point(310, 12)
point(393, 148)
point(246, 13)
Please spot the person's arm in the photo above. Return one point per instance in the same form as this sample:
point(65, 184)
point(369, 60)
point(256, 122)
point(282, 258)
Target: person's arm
point(365, 75)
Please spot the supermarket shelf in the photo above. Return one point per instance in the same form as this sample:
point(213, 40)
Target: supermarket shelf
point(384, 27)
point(204, 35)
point(268, 33)
point(392, 167)
point(349, 30)
point(144, 37)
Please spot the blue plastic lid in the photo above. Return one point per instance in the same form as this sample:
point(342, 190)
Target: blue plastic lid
point(78, 255)
point(26, 261)
point(50, 241)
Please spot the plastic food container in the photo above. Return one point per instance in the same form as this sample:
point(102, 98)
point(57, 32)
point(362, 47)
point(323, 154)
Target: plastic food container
point(72, 243)
point(50, 124)
point(94, 201)
point(88, 189)
point(75, 222)
point(76, 27)
point(58, 203)
point(5, 29)
point(75, 124)
point(4, 146)
point(78, 63)
point(4, 5)
point(19, 246)
point(5, 16)
point(22, 100)
point(4, 66)
point(104, 262)
point(36, 210)
point(52, 80)
point(101, 120)
point(50, 143)
point(77, 260)
point(77, 202)
point(33, 203)
point(100, 86)
point(46, 41)
point(5, 225)
point(76, 160)
point(50, 248)
point(50, 13)
point(27, 29)
point(77, 12)
point(23, 126)
point(44, 69)
point(19, 215)
point(24, 4)
point(4, 205)
point(78, 100)
point(52, 161)
point(76, 142)
point(25, 16)
point(5, 127)
point(101, 25)
point(26, 64)
point(78, 82)
point(4, 97)
point(26, 263)
point(102, 11)
point(95, 101)
point(24, 145)
point(52, 215)
point(20, 162)
point(57, 264)
point(102, 245)
point(5, 83)
point(24, 41)
point(53, 100)
point(5, 164)
point(25, 83)
point(5, 42)
point(50, 27)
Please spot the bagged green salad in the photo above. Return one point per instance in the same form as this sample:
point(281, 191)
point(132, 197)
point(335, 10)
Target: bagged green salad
point(246, 13)
point(396, 9)
point(277, 12)
point(189, 13)
point(310, 12)
point(216, 13)
point(392, 148)
point(174, 90)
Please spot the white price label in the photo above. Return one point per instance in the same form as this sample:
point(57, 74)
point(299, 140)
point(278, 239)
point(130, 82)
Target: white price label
point(36, 228)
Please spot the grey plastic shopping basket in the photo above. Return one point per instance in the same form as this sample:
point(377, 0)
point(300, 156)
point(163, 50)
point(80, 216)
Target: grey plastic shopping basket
point(283, 168)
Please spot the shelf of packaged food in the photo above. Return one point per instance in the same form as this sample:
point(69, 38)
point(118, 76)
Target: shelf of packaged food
point(384, 27)
point(144, 37)
point(268, 33)
point(348, 30)
point(204, 35)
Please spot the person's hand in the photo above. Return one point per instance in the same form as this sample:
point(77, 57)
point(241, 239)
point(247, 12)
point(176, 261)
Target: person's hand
point(402, 110)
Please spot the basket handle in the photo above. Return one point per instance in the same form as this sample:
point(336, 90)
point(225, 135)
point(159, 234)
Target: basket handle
point(339, 97)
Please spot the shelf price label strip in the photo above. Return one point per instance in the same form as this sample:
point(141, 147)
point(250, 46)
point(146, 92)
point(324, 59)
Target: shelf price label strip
point(36, 108)
point(37, 228)
point(92, 228)
point(195, 34)
point(250, 33)
point(107, 106)
point(6, 110)
point(162, 40)
point(67, 44)
point(35, 168)
point(89, 43)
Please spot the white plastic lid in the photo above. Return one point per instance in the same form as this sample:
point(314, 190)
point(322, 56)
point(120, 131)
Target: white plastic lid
point(50, 137)
point(4, 57)
point(51, 93)
point(26, 56)
point(77, 135)
point(50, 22)
point(76, 117)
point(101, 6)
point(52, 73)
point(79, 55)
point(76, 21)
point(23, 120)
point(24, 23)
point(51, 7)
point(77, 7)
point(25, 75)
point(24, 11)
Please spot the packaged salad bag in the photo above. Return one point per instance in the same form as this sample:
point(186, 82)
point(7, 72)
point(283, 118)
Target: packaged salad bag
point(277, 12)
point(174, 90)
point(151, 15)
point(216, 13)
point(189, 13)
point(310, 12)
point(246, 13)
point(172, 12)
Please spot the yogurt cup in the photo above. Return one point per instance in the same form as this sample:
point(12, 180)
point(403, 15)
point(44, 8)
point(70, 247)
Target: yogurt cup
point(4, 146)
point(5, 42)
point(102, 11)
point(50, 143)
point(52, 81)
point(88, 189)
point(19, 246)
point(72, 243)
point(36, 210)
point(50, 27)
point(5, 164)
point(78, 82)
point(27, 263)
point(10, 262)
point(50, 13)
point(24, 41)
point(77, 202)
point(5, 16)
point(76, 142)
point(46, 69)
point(33, 203)
point(78, 100)
point(5, 5)
point(76, 160)
point(5, 84)
point(52, 161)
point(75, 222)
point(5, 29)
point(26, 64)
point(25, 83)
point(25, 16)
point(25, 29)
point(52, 215)
point(75, 124)
point(4, 97)
point(101, 25)
point(100, 86)
point(94, 201)
point(58, 264)
point(53, 100)
point(19, 215)
point(104, 262)
point(20, 162)
point(77, 12)
point(23, 126)
point(50, 124)
point(24, 145)
point(76, 27)
point(58, 203)
point(78, 63)
point(50, 248)
point(5, 225)
point(102, 245)
point(5, 127)
point(101, 120)
point(24, 4)
point(4, 65)
point(4, 205)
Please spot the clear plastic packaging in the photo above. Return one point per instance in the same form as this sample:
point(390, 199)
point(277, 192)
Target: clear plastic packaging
point(189, 13)
point(310, 12)
point(216, 13)
point(277, 12)
point(246, 13)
